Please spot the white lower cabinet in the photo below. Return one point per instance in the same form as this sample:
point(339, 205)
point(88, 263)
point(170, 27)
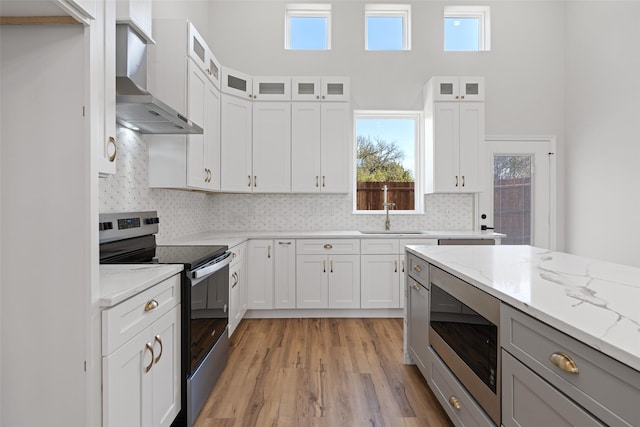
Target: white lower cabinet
point(328, 281)
point(237, 286)
point(284, 273)
point(380, 280)
point(260, 256)
point(141, 378)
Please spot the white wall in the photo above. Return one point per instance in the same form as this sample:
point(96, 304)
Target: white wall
point(603, 130)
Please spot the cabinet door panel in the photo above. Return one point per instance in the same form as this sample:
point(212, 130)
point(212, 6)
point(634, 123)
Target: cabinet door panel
point(418, 323)
point(471, 142)
point(236, 173)
point(446, 147)
point(166, 368)
point(272, 147)
point(311, 281)
point(380, 284)
point(528, 401)
point(197, 83)
point(336, 147)
point(344, 281)
point(212, 136)
point(305, 147)
point(260, 274)
point(284, 282)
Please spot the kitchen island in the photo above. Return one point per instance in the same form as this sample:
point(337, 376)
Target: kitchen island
point(587, 308)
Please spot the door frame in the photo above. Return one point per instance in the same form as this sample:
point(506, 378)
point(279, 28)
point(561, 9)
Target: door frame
point(553, 159)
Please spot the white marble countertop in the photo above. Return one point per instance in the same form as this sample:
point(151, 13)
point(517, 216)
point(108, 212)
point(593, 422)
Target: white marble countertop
point(595, 302)
point(121, 281)
point(232, 238)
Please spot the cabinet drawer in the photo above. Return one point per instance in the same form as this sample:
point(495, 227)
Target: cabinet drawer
point(237, 254)
point(605, 387)
point(418, 269)
point(125, 320)
point(449, 391)
point(529, 401)
point(328, 246)
point(379, 246)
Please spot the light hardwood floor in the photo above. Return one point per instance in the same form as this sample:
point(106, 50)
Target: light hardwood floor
point(320, 372)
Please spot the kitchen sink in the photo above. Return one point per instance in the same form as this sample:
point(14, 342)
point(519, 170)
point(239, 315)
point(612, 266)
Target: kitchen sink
point(394, 232)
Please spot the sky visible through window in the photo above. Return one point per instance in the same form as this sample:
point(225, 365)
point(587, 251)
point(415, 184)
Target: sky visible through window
point(384, 33)
point(461, 34)
point(402, 131)
point(308, 33)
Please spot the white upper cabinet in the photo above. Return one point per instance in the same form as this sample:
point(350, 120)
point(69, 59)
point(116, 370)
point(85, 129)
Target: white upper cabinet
point(236, 124)
point(184, 161)
point(204, 57)
point(320, 88)
point(271, 88)
point(138, 14)
point(237, 83)
point(271, 147)
point(454, 138)
point(457, 88)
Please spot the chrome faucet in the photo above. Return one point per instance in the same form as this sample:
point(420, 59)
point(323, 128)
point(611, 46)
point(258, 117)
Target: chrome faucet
point(387, 205)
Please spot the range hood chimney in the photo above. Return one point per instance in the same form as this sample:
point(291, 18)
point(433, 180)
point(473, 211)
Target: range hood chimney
point(136, 108)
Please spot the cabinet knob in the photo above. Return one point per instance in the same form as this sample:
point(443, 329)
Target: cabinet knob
point(415, 286)
point(328, 246)
point(564, 362)
point(317, 96)
point(417, 268)
point(455, 403)
point(462, 97)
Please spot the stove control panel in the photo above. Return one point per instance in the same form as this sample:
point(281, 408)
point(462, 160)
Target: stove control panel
point(124, 225)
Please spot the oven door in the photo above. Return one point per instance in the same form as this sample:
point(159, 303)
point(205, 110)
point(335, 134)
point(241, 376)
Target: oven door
point(463, 331)
point(206, 346)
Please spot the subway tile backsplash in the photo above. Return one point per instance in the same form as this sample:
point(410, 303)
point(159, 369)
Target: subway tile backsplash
point(185, 212)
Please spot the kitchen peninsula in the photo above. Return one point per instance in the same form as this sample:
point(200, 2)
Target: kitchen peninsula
point(568, 333)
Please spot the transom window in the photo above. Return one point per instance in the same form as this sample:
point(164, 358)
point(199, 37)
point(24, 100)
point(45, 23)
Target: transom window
point(387, 154)
point(467, 28)
point(307, 27)
point(387, 27)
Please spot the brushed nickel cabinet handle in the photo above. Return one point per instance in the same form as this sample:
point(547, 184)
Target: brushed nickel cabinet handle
point(564, 362)
point(456, 180)
point(268, 251)
point(324, 266)
point(463, 180)
point(159, 341)
point(284, 243)
point(402, 265)
point(328, 246)
point(255, 180)
point(151, 305)
point(149, 347)
point(323, 179)
point(331, 263)
point(395, 266)
point(317, 181)
point(249, 176)
point(112, 156)
point(455, 403)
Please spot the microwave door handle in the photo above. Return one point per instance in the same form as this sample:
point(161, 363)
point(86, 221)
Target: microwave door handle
point(209, 270)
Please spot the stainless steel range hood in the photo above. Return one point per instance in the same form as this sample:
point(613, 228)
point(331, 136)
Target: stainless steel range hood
point(136, 108)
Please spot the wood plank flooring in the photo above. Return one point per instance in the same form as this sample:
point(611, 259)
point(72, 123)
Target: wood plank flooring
point(320, 372)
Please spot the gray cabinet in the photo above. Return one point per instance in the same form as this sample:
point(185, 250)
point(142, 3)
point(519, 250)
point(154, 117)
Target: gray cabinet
point(418, 323)
point(605, 389)
point(529, 401)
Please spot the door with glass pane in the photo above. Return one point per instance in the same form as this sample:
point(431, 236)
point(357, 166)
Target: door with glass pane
point(519, 191)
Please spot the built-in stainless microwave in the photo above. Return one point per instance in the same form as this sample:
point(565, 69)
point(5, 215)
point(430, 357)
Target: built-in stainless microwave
point(464, 331)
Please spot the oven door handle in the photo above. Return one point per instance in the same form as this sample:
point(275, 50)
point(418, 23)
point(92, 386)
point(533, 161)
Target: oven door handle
point(210, 269)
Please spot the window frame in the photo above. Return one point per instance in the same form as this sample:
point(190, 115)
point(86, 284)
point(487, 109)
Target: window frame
point(389, 11)
point(482, 13)
point(418, 187)
point(306, 10)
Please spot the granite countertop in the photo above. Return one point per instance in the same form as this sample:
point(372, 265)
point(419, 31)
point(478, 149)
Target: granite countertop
point(594, 301)
point(232, 238)
point(121, 281)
